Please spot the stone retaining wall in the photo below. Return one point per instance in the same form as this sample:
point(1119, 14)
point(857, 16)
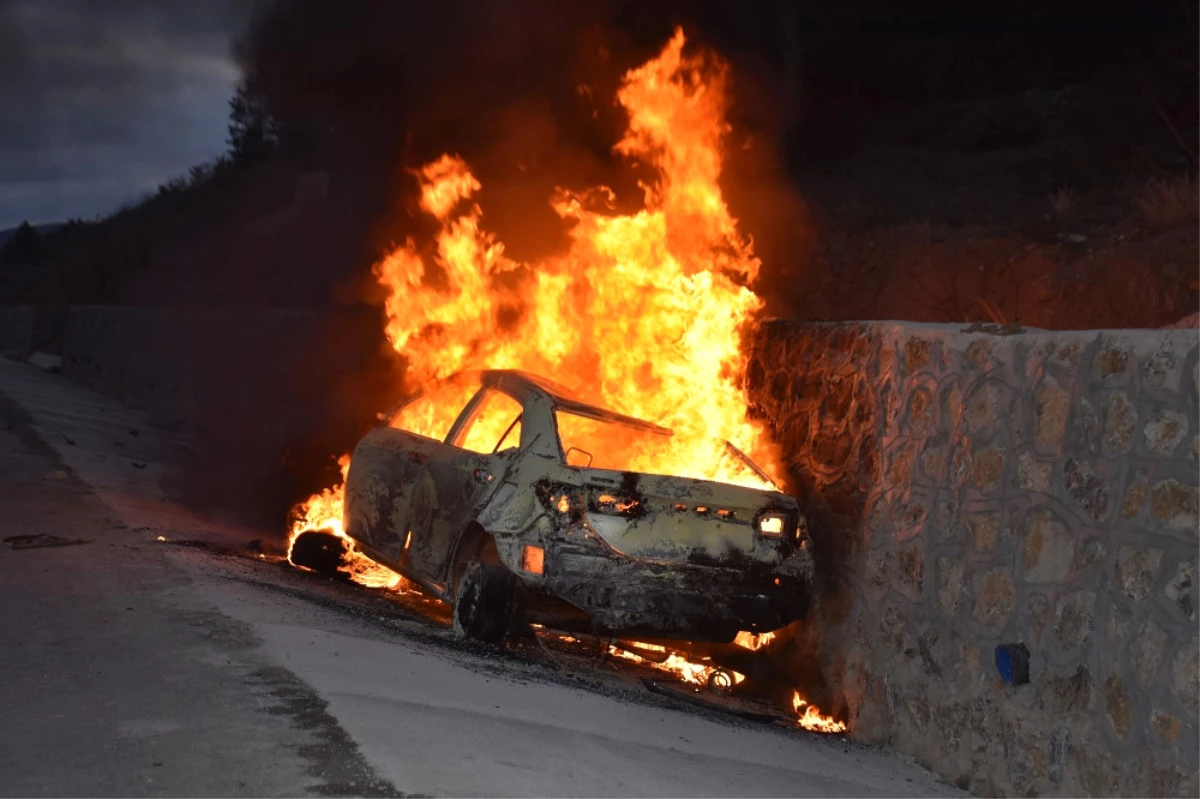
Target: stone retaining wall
point(264, 394)
point(16, 330)
point(969, 489)
point(193, 368)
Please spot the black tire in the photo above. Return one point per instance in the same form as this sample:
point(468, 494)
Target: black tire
point(319, 551)
point(483, 603)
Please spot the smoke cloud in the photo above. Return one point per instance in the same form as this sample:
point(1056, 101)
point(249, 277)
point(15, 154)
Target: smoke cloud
point(524, 91)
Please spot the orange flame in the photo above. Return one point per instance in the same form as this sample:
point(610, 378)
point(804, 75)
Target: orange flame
point(645, 311)
point(674, 664)
point(686, 670)
point(753, 641)
point(810, 718)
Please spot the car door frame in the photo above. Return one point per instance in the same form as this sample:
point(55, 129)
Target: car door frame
point(420, 450)
point(490, 470)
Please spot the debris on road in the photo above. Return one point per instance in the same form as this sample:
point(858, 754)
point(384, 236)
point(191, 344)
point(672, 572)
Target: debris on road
point(42, 540)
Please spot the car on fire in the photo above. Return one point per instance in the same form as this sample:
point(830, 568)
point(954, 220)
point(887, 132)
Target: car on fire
point(525, 511)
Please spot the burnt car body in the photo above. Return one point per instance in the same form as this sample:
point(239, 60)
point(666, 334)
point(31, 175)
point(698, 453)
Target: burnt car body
point(510, 523)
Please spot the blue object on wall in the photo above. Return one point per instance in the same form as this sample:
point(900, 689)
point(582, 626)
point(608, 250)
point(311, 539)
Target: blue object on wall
point(1012, 661)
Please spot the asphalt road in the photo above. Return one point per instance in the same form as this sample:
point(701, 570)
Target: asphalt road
point(133, 667)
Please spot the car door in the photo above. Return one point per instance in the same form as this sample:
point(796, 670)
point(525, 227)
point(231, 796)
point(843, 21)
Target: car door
point(408, 493)
point(482, 445)
point(390, 491)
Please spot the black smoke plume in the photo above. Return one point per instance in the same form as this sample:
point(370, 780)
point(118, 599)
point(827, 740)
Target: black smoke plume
point(524, 90)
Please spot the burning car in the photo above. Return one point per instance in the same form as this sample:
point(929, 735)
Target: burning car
point(526, 507)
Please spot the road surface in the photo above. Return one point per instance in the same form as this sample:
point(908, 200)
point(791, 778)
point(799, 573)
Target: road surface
point(137, 667)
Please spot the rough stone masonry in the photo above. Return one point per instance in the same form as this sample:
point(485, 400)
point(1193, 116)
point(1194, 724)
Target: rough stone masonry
point(971, 487)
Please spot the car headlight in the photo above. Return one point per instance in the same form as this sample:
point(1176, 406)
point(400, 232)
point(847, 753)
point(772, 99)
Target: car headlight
point(772, 524)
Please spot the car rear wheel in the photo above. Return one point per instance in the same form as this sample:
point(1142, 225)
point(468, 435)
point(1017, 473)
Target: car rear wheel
point(483, 602)
point(319, 551)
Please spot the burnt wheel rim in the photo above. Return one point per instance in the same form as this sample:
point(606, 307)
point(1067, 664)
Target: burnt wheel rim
point(466, 607)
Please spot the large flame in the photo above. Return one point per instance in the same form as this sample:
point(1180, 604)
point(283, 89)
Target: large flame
point(643, 312)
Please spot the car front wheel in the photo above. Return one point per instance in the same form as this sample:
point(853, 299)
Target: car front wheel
point(483, 602)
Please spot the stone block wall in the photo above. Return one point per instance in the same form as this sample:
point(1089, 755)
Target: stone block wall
point(16, 330)
point(201, 369)
point(968, 488)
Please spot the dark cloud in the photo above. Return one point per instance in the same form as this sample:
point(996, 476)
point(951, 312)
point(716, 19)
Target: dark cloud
point(102, 100)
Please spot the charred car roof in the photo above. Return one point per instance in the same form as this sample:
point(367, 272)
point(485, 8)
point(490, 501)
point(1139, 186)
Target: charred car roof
point(521, 385)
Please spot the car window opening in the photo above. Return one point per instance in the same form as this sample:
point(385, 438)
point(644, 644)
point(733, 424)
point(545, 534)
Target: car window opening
point(494, 416)
point(511, 437)
point(603, 444)
point(617, 446)
point(432, 413)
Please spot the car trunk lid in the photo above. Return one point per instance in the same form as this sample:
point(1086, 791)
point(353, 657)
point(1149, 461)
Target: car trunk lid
point(683, 520)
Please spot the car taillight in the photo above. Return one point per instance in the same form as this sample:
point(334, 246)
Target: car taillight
point(533, 559)
point(772, 525)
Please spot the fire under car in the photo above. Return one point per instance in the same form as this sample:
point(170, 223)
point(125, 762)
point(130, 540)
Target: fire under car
point(526, 511)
